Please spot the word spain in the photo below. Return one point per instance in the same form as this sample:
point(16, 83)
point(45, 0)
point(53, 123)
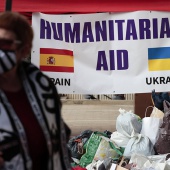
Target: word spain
point(61, 81)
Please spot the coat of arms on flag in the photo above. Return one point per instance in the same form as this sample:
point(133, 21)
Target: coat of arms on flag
point(56, 60)
point(51, 60)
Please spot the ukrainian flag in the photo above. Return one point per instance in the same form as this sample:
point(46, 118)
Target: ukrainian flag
point(159, 58)
point(56, 60)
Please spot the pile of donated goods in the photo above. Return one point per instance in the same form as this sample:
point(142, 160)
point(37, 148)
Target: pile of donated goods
point(137, 144)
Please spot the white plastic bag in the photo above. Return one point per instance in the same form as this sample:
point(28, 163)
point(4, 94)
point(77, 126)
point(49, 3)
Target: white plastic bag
point(139, 144)
point(128, 124)
point(159, 158)
point(143, 162)
point(120, 139)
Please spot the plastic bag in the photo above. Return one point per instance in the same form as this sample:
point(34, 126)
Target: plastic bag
point(139, 144)
point(99, 147)
point(76, 144)
point(162, 145)
point(128, 123)
point(120, 139)
point(100, 165)
point(143, 162)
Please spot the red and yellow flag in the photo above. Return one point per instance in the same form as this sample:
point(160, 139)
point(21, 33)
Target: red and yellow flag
point(56, 60)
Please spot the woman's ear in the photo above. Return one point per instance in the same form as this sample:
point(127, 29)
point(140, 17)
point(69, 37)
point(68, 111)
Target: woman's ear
point(25, 50)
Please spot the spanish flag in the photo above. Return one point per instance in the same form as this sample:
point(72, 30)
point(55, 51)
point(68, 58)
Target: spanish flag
point(159, 59)
point(56, 60)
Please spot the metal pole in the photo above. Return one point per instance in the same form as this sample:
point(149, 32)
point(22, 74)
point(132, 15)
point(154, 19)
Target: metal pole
point(8, 6)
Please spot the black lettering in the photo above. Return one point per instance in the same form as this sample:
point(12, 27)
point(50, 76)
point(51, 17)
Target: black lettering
point(57, 81)
point(149, 81)
point(167, 80)
point(155, 80)
point(67, 82)
point(162, 80)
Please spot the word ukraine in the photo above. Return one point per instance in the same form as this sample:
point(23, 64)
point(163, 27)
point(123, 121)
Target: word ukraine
point(157, 80)
point(105, 30)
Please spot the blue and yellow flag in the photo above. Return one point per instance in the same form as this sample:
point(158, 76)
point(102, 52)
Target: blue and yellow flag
point(159, 59)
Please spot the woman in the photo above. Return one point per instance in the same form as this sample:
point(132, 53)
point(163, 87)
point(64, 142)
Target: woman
point(30, 118)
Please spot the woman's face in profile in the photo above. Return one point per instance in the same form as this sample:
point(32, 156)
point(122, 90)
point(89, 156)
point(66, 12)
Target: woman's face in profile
point(7, 40)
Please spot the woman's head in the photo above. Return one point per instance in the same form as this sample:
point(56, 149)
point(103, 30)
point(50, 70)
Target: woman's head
point(16, 37)
point(19, 25)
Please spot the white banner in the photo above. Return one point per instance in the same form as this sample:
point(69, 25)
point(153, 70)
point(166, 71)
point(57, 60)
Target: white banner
point(104, 53)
